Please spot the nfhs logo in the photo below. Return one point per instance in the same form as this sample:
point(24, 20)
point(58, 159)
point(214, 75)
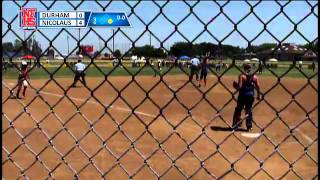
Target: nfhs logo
point(29, 17)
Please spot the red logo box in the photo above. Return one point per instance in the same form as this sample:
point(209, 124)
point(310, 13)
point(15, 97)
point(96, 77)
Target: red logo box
point(28, 17)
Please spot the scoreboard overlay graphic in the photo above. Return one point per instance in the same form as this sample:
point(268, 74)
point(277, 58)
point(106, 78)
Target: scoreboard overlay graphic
point(30, 18)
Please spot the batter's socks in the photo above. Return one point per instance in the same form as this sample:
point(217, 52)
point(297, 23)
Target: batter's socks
point(24, 91)
point(18, 92)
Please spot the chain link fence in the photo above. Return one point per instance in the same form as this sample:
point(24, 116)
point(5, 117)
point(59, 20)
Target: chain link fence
point(136, 126)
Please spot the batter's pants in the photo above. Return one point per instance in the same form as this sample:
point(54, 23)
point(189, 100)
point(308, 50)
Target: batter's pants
point(244, 102)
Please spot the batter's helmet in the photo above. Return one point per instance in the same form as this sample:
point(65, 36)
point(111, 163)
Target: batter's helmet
point(247, 66)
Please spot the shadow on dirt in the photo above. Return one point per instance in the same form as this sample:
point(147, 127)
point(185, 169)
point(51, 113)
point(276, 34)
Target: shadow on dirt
point(218, 128)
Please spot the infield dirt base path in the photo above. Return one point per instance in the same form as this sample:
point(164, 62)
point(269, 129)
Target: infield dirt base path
point(204, 128)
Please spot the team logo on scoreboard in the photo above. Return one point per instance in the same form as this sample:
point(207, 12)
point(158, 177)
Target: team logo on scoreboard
point(30, 18)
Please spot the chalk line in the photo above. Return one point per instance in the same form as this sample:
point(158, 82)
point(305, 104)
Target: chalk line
point(310, 140)
point(94, 102)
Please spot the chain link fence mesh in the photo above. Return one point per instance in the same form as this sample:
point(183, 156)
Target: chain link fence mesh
point(144, 127)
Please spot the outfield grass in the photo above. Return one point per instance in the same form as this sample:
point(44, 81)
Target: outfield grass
point(40, 73)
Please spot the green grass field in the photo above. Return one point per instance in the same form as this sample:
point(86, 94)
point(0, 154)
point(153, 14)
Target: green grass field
point(40, 73)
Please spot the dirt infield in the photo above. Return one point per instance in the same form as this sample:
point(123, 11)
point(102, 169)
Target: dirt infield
point(64, 119)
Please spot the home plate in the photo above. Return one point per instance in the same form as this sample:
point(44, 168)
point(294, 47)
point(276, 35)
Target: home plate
point(251, 135)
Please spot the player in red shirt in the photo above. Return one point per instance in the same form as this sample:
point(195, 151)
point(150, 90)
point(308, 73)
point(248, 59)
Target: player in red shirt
point(246, 84)
point(22, 79)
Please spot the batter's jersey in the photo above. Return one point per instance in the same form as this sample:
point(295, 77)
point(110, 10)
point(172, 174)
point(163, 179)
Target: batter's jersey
point(248, 84)
point(24, 74)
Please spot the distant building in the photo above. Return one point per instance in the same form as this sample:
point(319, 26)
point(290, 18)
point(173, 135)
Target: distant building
point(86, 49)
point(247, 55)
point(310, 56)
point(288, 52)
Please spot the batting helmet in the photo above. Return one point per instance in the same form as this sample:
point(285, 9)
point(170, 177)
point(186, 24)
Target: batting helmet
point(247, 66)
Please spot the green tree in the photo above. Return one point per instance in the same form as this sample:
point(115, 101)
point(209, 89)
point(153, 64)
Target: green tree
point(50, 53)
point(159, 52)
point(230, 51)
point(146, 50)
point(36, 49)
point(7, 47)
point(182, 49)
point(17, 45)
point(313, 46)
point(264, 47)
point(117, 53)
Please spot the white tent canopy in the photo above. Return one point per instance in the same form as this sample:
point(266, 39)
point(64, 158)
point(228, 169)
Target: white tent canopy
point(254, 59)
point(273, 60)
point(246, 60)
point(141, 59)
point(134, 58)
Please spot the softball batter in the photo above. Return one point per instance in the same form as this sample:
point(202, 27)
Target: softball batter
point(246, 84)
point(22, 79)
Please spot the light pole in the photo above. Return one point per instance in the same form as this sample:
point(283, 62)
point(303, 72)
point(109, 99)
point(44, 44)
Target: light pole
point(150, 38)
point(24, 42)
point(112, 40)
point(99, 43)
point(79, 42)
point(68, 45)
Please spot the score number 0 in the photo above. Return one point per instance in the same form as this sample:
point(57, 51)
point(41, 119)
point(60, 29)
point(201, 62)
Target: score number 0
point(80, 15)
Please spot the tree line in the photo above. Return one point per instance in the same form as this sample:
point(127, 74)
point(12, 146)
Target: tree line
point(178, 49)
point(28, 47)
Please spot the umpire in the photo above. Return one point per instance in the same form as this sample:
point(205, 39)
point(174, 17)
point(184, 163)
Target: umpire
point(79, 67)
point(195, 62)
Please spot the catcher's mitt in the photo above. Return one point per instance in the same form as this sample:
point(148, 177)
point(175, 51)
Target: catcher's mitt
point(235, 84)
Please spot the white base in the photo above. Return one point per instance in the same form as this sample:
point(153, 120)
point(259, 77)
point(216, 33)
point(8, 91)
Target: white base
point(251, 135)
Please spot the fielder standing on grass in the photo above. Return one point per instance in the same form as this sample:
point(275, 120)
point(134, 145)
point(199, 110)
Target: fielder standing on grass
point(246, 84)
point(22, 79)
point(195, 62)
point(79, 67)
point(158, 68)
point(313, 66)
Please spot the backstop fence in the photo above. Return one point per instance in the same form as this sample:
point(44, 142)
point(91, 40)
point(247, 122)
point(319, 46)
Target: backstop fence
point(283, 143)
